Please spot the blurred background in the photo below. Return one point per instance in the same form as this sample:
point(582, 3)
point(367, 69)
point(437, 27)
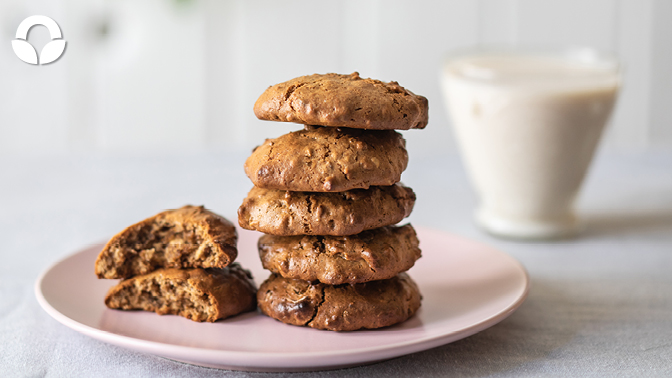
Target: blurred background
point(166, 76)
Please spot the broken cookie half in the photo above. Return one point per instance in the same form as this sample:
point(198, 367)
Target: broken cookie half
point(188, 237)
point(197, 294)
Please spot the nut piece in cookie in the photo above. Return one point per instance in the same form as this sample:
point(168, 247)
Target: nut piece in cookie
point(370, 305)
point(372, 255)
point(343, 101)
point(196, 294)
point(189, 237)
point(281, 212)
point(327, 159)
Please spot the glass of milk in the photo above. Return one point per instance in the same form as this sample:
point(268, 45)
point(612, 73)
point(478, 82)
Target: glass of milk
point(527, 124)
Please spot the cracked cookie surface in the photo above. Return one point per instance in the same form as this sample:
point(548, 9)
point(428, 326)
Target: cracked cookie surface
point(282, 212)
point(343, 101)
point(196, 294)
point(370, 305)
point(326, 159)
point(376, 254)
point(188, 237)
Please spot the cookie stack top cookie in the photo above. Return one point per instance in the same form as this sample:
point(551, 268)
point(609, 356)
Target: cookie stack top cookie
point(343, 101)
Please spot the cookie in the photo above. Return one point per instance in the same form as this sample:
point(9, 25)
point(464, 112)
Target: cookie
point(197, 294)
point(281, 212)
point(343, 101)
point(327, 159)
point(339, 308)
point(371, 255)
point(189, 237)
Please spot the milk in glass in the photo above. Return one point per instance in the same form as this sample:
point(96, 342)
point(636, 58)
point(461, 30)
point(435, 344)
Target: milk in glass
point(527, 124)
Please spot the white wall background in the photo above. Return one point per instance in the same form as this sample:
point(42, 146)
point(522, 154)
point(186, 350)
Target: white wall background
point(166, 75)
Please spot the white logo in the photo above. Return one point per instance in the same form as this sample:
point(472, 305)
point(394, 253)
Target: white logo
point(50, 52)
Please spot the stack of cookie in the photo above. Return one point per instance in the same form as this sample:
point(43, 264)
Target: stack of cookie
point(328, 197)
point(178, 262)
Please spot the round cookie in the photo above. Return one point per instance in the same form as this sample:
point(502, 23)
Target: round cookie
point(281, 212)
point(339, 308)
point(327, 159)
point(343, 101)
point(372, 255)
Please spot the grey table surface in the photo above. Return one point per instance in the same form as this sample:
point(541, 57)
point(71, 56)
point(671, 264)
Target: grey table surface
point(599, 305)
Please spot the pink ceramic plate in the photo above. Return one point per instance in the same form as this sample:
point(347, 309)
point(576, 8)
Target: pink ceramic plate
point(467, 287)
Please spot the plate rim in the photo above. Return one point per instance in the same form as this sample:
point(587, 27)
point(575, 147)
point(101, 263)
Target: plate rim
point(282, 361)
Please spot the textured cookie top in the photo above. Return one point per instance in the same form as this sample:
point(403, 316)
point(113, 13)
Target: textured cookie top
point(197, 294)
point(343, 101)
point(371, 255)
point(282, 212)
point(189, 237)
point(339, 308)
point(326, 159)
